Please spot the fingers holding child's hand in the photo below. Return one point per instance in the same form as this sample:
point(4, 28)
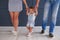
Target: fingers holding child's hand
point(27, 9)
point(36, 11)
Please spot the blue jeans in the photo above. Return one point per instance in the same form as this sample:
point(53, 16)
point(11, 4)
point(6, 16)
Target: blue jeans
point(54, 5)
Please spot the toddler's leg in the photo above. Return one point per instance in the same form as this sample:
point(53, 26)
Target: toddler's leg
point(30, 29)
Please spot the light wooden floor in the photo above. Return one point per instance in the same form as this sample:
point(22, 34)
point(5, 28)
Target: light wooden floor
point(5, 34)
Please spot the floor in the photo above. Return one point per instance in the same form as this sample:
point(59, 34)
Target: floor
point(5, 34)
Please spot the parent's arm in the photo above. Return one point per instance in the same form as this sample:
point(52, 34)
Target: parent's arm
point(26, 6)
point(25, 3)
point(36, 7)
point(37, 4)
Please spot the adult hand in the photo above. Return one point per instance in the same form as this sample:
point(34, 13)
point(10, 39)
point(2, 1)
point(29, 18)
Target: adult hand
point(36, 7)
point(36, 10)
point(37, 4)
point(27, 10)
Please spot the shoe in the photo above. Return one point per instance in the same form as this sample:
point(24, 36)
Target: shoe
point(29, 34)
point(50, 35)
point(14, 33)
point(42, 31)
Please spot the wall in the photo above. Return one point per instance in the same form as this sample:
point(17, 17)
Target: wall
point(5, 17)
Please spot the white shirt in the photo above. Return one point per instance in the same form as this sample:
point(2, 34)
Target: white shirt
point(31, 17)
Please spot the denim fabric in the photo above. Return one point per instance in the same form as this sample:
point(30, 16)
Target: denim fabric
point(54, 5)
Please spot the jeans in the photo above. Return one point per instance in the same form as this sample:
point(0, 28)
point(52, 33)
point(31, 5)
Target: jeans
point(54, 5)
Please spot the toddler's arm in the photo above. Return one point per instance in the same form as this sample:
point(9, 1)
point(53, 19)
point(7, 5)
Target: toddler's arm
point(36, 13)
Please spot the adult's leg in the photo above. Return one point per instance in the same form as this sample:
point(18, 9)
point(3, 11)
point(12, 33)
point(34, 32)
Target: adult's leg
point(12, 18)
point(46, 10)
point(54, 16)
point(16, 20)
